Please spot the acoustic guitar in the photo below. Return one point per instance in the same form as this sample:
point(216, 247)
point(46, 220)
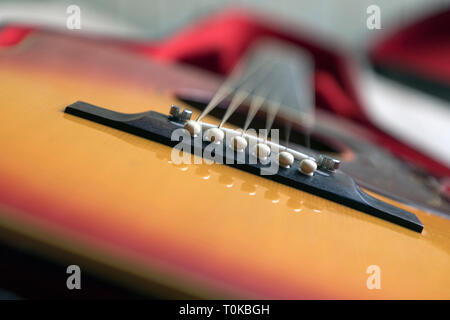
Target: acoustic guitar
point(88, 176)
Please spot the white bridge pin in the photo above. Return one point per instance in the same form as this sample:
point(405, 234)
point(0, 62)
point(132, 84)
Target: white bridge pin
point(285, 159)
point(238, 143)
point(215, 135)
point(308, 167)
point(193, 127)
point(262, 151)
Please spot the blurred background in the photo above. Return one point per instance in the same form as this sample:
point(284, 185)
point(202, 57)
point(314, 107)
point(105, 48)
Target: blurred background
point(343, 20)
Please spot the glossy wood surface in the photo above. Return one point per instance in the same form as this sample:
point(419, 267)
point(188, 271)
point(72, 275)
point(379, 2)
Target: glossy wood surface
point(205, 230)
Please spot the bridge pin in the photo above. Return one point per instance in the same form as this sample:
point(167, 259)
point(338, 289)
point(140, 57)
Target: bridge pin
point(307, 167)
point(238, 143)
point(215, 135)
point(262, 151)
point(193, 127)
point(285, 159)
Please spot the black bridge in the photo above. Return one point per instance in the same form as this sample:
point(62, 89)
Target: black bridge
point(337, 187)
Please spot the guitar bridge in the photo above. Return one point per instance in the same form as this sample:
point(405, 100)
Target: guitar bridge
point(327, 183)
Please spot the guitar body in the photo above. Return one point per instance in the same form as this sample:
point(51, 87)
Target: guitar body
point(84, 193)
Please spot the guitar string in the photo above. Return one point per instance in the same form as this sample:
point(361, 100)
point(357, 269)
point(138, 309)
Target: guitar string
point(273, 99)
point(245, 91)
point(232, 82)
point(307, 116)
point(294, 77)
point(244, 87)
point(274, 104)
point(259, 98)
point(294, 80)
